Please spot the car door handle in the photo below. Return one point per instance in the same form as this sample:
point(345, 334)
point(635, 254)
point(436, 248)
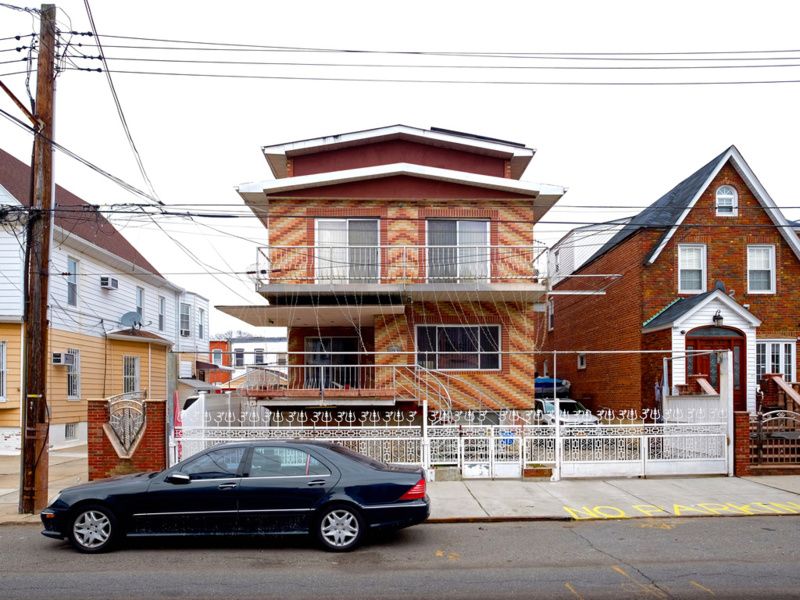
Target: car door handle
point(314, 482)
point(226, 486)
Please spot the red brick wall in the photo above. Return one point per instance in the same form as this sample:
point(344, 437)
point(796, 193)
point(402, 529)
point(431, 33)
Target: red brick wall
point(609, 322)
point(219, 376)
point(741, 443)
point(150, 454)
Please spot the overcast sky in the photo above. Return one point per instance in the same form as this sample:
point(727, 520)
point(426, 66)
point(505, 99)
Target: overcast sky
point(609, 145)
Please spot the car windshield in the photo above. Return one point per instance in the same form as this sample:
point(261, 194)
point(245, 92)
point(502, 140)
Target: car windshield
point(570, 407)
point(366, 460)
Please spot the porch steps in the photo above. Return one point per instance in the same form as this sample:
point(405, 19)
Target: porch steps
point(756, 470)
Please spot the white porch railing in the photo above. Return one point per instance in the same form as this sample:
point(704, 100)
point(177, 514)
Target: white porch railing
point(402, 264)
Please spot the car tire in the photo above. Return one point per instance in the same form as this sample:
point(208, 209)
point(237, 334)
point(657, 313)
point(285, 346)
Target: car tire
point(93, 529)
point(340, 528)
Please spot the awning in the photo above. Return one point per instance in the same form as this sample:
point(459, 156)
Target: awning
point(312, 316)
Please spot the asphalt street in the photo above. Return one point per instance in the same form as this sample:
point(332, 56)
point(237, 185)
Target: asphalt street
point(745, 557)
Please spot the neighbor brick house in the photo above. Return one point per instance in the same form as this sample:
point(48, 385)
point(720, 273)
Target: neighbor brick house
point(712, 264)
point(403, 263)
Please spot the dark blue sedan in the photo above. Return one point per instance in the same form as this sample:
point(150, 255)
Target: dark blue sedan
point(253, 488)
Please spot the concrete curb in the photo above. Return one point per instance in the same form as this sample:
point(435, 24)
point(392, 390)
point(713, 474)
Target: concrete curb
point(518, 519)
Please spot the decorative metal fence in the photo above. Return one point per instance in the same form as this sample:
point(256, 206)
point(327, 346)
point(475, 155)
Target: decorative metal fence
point(481, 444)
point(775, 438)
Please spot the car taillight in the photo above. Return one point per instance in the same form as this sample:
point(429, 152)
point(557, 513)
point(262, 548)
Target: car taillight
point(416, 492)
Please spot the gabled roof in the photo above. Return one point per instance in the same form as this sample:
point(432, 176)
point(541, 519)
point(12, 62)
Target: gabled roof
point(680, 308)
point(517, 153)
point(671, 209)
point(82, 219)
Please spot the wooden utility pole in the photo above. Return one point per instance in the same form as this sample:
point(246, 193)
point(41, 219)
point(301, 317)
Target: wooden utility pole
point(35, 419)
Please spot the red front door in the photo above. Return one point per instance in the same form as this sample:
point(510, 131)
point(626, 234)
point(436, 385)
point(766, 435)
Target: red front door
point(718, 338)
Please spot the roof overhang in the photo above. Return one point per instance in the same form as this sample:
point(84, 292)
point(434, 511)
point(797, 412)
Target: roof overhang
point(518, 155)
point(717, 297)
point(746, 173)
point(123, 337)
point(311, 316)
point(255, 194)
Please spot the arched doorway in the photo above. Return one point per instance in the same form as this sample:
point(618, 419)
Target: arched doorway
point(718, 338)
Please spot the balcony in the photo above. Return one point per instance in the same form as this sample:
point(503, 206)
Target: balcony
point(415, 270)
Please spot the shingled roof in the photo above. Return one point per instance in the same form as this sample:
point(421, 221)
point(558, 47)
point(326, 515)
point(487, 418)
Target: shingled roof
point(667, 210)
point(83, 220)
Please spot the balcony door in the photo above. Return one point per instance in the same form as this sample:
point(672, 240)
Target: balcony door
point(347, 251)
point(328, 367)
point(458, 250)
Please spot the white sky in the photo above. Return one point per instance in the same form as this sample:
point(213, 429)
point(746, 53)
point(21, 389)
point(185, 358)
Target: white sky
point(621, 145)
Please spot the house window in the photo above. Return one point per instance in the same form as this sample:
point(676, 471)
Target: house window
point(140, 303)
point(458, 347)
point(201, 319)
point(186, 326)
point(74, 375)
point(551, 314)
point(545, 369)
point(727, 201)
point(2, 371)
point(691, 268)
point(581, 360)
point(348, 250)
point(259, 356)
point(162, 312)
point(130, 374)
point(70, 431)
point(458, 250)
point(72, 281)
point(238, 357)
point(775, 356)
point(761, 269)
point(216, 357)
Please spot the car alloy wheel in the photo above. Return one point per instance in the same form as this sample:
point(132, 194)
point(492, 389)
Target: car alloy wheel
point(93, 529)
point(340, 529)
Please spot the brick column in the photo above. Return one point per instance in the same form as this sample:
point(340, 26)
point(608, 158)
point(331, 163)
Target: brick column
point(770, 388)
point(149, 455)
point(741, 443)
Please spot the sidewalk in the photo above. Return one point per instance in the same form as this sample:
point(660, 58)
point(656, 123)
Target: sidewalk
point(509, 500)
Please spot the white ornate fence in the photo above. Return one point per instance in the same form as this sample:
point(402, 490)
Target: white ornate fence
point(479, 444)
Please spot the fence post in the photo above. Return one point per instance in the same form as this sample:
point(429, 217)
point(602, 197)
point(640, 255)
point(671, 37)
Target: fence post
point(643, 450)
point(556, 476)
point(760, 434)
point(426, 455)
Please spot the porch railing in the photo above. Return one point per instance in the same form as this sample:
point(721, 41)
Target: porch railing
point(402, 264)
point(334, 380)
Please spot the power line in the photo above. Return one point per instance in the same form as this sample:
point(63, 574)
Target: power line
point(448, 81)
point(120, 112)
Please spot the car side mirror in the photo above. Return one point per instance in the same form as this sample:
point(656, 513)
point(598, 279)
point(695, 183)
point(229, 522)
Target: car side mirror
point(178, 478)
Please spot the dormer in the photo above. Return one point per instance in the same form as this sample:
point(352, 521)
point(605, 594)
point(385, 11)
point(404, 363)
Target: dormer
point(432, 147)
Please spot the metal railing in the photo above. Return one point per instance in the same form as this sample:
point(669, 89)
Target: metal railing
point(402, 264)
point(325, 379)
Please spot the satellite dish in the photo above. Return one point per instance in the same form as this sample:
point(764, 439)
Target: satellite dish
point(130, 319)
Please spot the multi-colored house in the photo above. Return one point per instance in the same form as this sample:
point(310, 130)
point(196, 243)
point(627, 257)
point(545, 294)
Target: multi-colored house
point(404, 265)
point(711, 265)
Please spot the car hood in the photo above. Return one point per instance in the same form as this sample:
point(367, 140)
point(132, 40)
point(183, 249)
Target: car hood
point(121, 483)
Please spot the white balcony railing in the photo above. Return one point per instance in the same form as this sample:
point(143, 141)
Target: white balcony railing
point(401, 264)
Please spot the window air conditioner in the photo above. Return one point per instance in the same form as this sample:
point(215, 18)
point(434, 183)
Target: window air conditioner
point(109, 283)
point(185, 333)
point(62, 359)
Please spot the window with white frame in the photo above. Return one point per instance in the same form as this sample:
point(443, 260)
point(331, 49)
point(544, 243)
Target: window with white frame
point(691, 268)
point(581, 360)
point(348, 250)
point(130, 374)
point(72, 281)
point(551, 314)
point(761, 269)
point(2, 371)
point(140, 303)
point(162, 312)
point(459, 347)
point(238, 357)
point(457, 250)
point(776, 356)
point(259, 356)
point(201, 320)
point(74, 375)
point(727, 201)
point(186, 325)
point(70, 431)
point(216, 357)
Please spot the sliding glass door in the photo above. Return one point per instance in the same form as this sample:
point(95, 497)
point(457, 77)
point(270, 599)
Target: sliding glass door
point(347, 251)
point(458, 250)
